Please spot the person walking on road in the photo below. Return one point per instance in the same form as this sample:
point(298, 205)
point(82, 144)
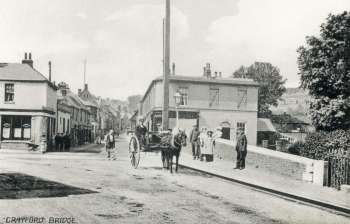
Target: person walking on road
point(110, 144)
point(241, 148)
point(195, 142)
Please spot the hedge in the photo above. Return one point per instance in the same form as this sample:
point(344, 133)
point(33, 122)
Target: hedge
point(320, 145)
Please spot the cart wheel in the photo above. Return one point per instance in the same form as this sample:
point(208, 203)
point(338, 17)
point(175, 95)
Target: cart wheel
point(134, 150)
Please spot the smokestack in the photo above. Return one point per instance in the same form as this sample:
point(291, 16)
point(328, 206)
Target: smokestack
point(207, 70)
point(29, 60)
point(50, 71)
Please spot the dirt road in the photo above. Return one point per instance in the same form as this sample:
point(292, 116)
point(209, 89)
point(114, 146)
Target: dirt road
point(85, 187)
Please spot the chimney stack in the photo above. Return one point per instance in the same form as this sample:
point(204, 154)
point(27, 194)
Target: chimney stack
point(207, 70)
point(50, 71)
point(220, 74)
point(85, 86)
point(28, 60)
point(79, 92)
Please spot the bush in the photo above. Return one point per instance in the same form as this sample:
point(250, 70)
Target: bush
point(296, 148)
point(320, 145)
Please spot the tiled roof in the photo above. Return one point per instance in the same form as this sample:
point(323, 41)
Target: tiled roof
point(19, 72)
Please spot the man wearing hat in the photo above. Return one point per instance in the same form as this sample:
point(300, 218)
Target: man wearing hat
point(195, 142)
point(141, 131)
point(241, 148)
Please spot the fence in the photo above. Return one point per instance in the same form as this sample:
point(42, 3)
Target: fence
point(338, 170)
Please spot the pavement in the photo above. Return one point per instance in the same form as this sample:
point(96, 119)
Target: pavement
point(273, 183)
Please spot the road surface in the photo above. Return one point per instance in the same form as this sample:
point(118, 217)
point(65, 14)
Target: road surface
point(85, 187)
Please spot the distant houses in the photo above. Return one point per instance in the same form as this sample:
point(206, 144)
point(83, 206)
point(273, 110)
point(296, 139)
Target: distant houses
point(35, 112)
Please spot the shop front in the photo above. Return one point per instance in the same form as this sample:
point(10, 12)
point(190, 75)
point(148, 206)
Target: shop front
point(22, 130)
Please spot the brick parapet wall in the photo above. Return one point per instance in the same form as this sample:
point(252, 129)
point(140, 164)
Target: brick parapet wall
point(280, 163)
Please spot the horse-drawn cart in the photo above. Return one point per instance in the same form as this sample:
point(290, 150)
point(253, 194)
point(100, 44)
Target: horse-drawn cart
point(156, 142)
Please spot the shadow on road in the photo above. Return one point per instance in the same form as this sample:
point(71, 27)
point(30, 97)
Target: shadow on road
point(19, 186)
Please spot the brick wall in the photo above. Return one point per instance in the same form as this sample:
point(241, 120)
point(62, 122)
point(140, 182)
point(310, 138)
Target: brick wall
point(295, 167)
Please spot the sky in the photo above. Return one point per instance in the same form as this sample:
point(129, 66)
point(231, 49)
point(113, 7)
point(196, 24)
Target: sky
point(122, 39)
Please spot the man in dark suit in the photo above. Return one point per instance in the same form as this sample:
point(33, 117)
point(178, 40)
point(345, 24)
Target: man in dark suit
point(141, 131)
point(195, 142)
point(241, 148)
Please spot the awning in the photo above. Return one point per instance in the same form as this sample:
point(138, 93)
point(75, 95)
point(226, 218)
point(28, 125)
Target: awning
point(266, 125)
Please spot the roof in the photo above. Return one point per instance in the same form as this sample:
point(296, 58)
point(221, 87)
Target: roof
point(21, 72)
point(91, 101)
point(202, 79)
point(265, 124)
point(205, 80)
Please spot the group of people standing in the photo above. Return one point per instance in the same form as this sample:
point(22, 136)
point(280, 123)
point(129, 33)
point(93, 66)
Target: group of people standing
point(203, 145)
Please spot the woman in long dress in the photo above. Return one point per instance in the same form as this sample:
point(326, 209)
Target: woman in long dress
point(209, 147)
point(202, 139)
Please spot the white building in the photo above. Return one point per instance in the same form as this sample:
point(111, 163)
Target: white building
point(28, 104)
point(206, 101)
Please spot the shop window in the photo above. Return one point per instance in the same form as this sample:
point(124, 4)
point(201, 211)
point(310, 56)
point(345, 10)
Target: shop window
point(9, 92)
point(16, 127)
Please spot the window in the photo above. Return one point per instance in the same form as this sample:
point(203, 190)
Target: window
point(240, 127)
point(213, 97)
point(68, 131)
point(242, 98)
point(184, 96)
point(9, 92)
point(16, 127)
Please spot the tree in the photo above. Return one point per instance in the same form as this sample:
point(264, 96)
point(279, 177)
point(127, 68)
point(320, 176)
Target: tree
point(271, 84)
point(324, 64)
point(133, 102)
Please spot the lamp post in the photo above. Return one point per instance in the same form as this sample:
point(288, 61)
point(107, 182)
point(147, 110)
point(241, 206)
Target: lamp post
point(177, 97)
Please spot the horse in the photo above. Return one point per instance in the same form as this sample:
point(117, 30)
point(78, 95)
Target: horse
point(179, 141)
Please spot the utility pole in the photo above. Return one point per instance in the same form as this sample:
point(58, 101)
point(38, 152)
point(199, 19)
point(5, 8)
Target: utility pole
point(84, 72)
point(166, 68)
